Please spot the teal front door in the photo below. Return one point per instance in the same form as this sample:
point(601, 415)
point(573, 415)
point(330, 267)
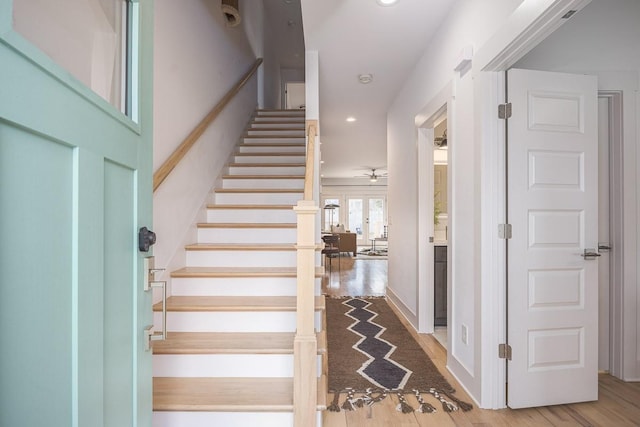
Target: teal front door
point(75, 188)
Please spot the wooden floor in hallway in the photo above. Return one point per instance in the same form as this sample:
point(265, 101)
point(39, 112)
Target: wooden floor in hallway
point(618, 404)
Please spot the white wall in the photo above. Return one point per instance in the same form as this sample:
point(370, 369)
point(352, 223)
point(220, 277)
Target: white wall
point(602, 39)
point(469, 23)
point(197, 59)
point(253, 24)
point(271, 73)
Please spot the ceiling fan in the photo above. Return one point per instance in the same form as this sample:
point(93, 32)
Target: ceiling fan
point(373, 176)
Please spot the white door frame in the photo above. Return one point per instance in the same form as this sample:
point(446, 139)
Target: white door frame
point(617, 233)
point(425, 124)
point(527, 27)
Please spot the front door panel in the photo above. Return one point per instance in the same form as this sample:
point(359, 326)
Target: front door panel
point(75, 186)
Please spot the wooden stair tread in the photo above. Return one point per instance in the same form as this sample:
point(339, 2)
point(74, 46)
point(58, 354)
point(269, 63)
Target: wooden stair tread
point(273, 136)
point(263, 177)
point(286, 114)
point(231, 343)
point(244, 246)
point(283, 121)
point(278, 154)
point(259, 190)
point(262, 165)
point(234, 303)
point(227, 394)
point(274, 133)
point(273, 144)
point(246, 225)
point(239, 272)
point(258, 207)
point(296, 111)
point(294, 126)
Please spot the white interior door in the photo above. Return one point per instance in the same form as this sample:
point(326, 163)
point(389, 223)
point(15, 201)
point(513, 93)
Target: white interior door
point(553, 209)
point(295, 95)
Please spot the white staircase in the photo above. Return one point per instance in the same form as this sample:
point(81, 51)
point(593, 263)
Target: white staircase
point(228, 358)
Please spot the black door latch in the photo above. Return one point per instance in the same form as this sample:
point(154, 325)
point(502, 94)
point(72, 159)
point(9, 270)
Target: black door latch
point(146, 238)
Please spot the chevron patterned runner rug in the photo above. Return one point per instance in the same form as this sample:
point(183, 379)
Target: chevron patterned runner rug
point(372, 355)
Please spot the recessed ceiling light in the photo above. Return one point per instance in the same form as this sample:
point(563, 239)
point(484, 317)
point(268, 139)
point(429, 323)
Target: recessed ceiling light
point(387, 2)
point(351, 119)
point(321, 161)
point(365, 78)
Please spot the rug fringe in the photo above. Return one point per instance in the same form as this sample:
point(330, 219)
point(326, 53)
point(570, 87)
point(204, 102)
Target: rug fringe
point(403, 406)
point(371, 396)
point(334, 406)
point(425, 408)
point(466, 407)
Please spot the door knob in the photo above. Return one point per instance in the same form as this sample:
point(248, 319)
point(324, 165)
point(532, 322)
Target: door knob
point(146, 238)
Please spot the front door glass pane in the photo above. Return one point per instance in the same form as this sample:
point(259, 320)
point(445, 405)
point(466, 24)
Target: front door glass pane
point(355, 217)
point(87, 38)
point(376, 218)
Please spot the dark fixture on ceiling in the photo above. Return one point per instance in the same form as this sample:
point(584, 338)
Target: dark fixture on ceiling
point(230, 12)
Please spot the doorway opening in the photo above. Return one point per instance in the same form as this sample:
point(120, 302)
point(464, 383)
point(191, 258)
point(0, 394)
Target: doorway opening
point(434, 217)
point(440, 230)
point(294, 95)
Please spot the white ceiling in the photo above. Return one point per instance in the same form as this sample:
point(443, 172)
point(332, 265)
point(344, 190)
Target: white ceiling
point(284, 26)
point(354, 37)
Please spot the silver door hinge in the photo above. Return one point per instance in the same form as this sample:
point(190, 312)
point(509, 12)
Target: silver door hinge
point(504, 231)
point(504, 111)
point(504, 351)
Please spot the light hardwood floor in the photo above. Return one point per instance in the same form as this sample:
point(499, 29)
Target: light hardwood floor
point(618, 404)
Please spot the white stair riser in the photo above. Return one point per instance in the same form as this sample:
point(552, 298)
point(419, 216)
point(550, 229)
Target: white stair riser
point(283, 123)
point(231, 321)
point(246, 235)
point(257, 198)
point(236, 286)
point(237, 258)
point(277, 132)
point(293, 183)
point(223, 419)
point(266, 170)
point(226, 365)
point(261, 159)
point(223, 365)
point(251, 215)
point(274, 139)
point(292, 148)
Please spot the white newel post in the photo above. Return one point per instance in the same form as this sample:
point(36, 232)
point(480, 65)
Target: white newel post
point(305, 348)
